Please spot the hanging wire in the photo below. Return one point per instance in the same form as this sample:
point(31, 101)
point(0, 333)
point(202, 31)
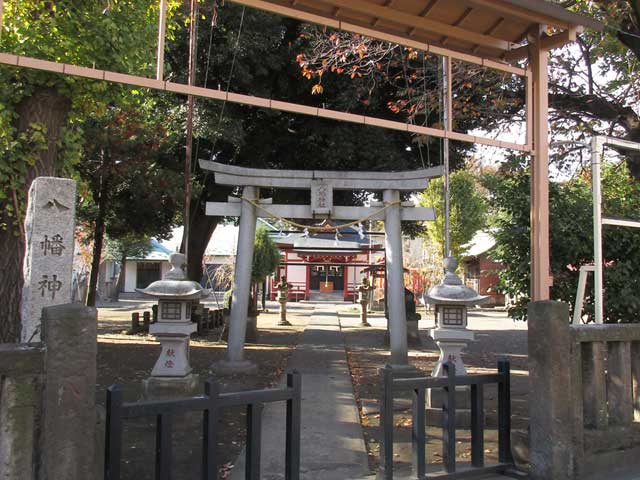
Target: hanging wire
point(233, 64)
point(214, 23)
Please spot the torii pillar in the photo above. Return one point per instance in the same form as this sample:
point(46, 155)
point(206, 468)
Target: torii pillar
point(395, 278)
point(235, 360)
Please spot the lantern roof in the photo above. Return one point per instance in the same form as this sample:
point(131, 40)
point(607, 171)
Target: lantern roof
point(175, 285)
point(451, 291)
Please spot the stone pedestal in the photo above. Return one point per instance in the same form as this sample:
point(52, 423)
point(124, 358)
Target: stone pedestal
point(157, 388)
point(451, 342)
point(174, 358)
point(363, 313)
point(283, 298)
point(283, 312)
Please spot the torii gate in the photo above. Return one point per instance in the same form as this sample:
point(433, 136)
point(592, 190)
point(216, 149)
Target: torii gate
point(322, 184)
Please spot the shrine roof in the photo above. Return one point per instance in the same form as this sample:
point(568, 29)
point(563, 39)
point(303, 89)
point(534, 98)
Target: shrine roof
point(492, 29)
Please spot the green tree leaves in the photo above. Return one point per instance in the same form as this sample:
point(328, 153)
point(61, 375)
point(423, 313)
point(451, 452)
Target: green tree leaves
point(467, 210)
point(266, 256)
point(571, 242)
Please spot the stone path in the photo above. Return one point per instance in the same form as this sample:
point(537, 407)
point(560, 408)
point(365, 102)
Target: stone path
point(332, 444)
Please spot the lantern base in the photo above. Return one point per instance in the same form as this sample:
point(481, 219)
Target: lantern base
point(435, 418)
point(157, 388)
point(435, 398)
point(174, 356)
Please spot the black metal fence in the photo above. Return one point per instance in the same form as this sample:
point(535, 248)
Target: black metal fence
point(210, 404)
point(391, 385)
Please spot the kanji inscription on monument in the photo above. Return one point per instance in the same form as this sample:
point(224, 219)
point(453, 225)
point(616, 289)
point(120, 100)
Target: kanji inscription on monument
point(48, 260)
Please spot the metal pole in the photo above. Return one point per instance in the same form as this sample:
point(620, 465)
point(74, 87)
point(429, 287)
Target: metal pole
point(596, 147)
point(446, 120)
point(162, 24)
point(189, 144)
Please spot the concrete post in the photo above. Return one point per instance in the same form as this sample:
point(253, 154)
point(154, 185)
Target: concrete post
point(395, 279)
point(241, 286)
point(549, 339)
point(69, 432)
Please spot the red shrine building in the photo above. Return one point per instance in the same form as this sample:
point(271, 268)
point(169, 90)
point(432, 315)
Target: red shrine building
point(319, 266)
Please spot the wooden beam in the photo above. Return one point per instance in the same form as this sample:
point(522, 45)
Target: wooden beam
point(547, 42)
point(494, 62)
point(411, 214)
point(461, 19)
point(621, 223)
point(162, 26)
point(96, 74)
point(402, 18)
point(529, 111)
point(489, 31)
point(424, 13)
point(1, 17)
point(387, 3)
point(513, 11)
point(541, 280)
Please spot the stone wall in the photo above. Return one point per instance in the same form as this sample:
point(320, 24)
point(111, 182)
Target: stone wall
point(21, 380)
point(47, 400)
point(585, 406)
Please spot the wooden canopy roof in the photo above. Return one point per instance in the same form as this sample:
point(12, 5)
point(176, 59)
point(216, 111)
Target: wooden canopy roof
point(492, 29)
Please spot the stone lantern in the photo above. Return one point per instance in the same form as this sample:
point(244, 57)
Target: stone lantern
point(364, 291)
point(451, 299)
point(176, 297)
point(283, 298)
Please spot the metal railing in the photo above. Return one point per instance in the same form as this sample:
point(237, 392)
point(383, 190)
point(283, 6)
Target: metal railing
point(391, 385)
point(210, 404)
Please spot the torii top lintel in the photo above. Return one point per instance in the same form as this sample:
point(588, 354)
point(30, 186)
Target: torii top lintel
point(413, 180)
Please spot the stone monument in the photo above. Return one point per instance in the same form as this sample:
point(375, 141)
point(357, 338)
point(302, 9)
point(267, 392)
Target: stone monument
point(176, 297)
point(364, 291)
point(48, 259)
point(283, 298)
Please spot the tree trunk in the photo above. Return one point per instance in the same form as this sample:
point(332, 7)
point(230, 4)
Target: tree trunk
point(98, 238)
point(121, 276)
point(199, 236)
point(50, 108)
point(264, 294)
point(202, 227)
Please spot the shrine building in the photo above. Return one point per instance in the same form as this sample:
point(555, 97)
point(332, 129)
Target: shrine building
point(320, 267)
